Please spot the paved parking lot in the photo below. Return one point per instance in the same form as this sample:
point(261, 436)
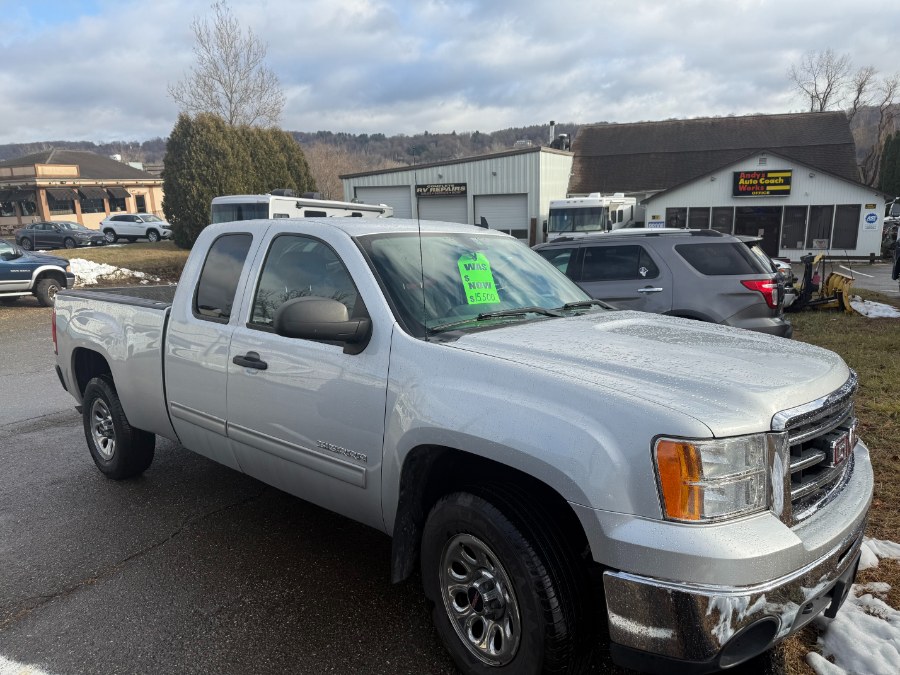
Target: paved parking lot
point(193, 568)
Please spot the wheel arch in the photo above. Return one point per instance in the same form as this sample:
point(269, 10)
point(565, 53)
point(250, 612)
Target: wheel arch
point(432, 471)
point(86, 365)
point(45, 272)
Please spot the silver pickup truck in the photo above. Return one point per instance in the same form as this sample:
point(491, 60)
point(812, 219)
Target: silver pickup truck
point(562, 473)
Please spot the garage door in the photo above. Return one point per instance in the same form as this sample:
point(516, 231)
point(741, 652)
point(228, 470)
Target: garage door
point(449, 209)
point(397, 196)
point(508, 213)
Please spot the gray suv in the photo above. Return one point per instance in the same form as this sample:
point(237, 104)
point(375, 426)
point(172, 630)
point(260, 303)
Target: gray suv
point(697, 274)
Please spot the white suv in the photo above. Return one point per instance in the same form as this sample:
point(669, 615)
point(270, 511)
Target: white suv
point(133, 226)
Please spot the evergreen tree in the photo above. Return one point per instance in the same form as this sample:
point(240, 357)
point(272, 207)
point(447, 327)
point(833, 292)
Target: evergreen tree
point(206, 158)
point(889, 180)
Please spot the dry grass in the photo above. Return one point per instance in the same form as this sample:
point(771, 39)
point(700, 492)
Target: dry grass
point(162, 259)
point(872, 348)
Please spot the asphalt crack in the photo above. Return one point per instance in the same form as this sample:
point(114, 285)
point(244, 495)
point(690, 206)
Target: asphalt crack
point(29, 605)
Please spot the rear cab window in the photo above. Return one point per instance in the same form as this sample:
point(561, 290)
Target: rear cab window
point(721, 258)
point(216, 288)
point(616, 263)
point(562, 259)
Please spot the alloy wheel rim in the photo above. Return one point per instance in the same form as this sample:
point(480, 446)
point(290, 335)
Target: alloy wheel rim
point(480, 600)
point(102, 430)
point(110, 237)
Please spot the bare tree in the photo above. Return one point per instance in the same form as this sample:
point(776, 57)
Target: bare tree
point(230, 78)
point(883, 100)
point(327, 163)
point(821, 77)
point(825, 81)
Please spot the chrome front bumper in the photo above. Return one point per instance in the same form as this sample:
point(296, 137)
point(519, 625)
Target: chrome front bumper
point(657, 625)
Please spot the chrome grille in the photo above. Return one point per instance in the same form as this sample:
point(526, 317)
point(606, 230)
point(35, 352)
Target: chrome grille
point(813, 431)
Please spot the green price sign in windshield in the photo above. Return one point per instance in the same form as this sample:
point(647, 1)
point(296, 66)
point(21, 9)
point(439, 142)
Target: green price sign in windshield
point(477, 279)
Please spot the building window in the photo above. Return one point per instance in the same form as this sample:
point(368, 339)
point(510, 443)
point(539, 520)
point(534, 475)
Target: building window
point(698, 218)
point(7, 209)
point(723, 219)
point(819, 230)
point(92, 206)
point(140, 203)
point(793, 231)
point(116, 203)
point(846, 226)
point(60, 207)
point(676, 217)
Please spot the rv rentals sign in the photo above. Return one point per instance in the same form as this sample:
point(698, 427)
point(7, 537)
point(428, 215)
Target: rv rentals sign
point(761, 183)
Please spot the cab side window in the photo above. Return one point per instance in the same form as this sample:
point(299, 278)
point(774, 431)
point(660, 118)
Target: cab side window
point(610, 263)
point(296, 267)
point(219, 278)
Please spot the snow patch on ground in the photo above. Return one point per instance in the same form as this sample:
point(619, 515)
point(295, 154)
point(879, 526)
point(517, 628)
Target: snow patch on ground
point(864, 637)
point(874, 310)
point(89, 273)
point(8, 667)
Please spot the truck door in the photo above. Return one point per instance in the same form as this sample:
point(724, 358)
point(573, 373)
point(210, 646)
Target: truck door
point(196, 356)
point(303, 415)
point(626, 276)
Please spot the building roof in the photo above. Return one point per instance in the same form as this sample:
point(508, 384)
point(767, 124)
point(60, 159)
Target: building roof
point(649, 156)
point(91, 165)
point(460, 160)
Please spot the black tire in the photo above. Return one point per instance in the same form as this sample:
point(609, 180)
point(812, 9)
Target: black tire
point(46, 291)
point(548, 579)
point(152, 236)
point(68, 242)
point(131, 451)
point(111, 236)
point(27, 244)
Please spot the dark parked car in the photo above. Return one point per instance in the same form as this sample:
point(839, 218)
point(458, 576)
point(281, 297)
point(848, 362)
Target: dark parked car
point(57, 234)
point(696, 274)
point(37, 274)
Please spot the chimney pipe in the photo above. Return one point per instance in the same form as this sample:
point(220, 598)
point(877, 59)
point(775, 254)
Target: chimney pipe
point(552, 131)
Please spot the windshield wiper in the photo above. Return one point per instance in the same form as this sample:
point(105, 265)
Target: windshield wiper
point(581, 304)
point(500, 313)
point(534, 309)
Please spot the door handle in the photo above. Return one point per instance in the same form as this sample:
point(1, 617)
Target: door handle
point(250, 360)
point(649, 289)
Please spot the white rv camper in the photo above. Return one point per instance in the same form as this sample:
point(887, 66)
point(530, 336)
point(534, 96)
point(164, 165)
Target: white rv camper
point(578, 216)
point(284, 204)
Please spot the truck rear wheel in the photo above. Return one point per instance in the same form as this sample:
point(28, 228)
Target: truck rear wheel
point(118, 449)
point(509, 596)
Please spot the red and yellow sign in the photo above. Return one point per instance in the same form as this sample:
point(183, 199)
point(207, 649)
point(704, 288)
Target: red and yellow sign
point(761, 183)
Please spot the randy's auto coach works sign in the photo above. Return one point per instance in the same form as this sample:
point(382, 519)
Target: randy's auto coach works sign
point(441, 190)
point(761, 183)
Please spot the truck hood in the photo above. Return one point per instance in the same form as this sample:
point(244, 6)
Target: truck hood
point(42, 259)
point(730, 379)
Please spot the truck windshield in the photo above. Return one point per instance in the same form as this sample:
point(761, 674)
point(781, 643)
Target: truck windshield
point(226, 213)
point(466, 277)
point(591, 219)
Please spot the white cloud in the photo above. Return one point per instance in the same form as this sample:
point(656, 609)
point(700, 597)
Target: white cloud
point(396, 66)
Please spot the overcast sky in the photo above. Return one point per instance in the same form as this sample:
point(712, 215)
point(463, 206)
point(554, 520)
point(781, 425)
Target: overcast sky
point(98, 70)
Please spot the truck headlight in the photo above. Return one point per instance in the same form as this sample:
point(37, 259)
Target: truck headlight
point(712, 479)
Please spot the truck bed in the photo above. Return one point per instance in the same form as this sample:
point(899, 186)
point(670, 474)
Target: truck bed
point(158, 297)
point(125, 327)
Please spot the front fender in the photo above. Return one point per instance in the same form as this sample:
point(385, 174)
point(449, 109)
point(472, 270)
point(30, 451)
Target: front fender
point(591, 445)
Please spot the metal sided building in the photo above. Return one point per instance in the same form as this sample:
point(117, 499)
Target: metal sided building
point(791, 179)
point(511, 190)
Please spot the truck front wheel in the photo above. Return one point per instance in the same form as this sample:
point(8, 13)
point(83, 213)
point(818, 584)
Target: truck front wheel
point(46, 291)
point(118, 449)
point(509, 596)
